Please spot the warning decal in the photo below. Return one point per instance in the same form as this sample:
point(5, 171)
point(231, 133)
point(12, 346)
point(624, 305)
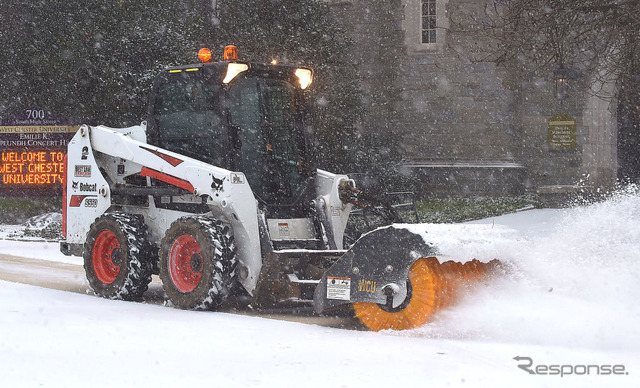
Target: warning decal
point(338, 288)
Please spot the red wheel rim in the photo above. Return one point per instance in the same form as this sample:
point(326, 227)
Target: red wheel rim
point(185, 263)
point(106, 257)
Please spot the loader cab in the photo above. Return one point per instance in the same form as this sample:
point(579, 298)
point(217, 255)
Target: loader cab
point(255, 121)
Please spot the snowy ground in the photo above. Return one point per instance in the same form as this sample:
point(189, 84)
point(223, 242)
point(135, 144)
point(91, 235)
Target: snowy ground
point(568, 305)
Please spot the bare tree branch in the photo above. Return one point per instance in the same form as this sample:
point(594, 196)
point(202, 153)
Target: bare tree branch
point(597, 37)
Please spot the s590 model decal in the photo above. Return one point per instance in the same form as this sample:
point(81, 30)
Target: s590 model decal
point(76, 201)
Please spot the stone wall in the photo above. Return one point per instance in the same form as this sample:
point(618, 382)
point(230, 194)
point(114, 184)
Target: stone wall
point(468, 126)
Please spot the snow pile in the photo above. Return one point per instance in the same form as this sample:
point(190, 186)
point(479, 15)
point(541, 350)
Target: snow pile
point(43, 220)
point(42, 227)
point(464, 242)
point(575, 285)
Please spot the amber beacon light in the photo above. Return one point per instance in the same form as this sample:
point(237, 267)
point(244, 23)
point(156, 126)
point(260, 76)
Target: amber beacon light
point(204, 54)
point(230, 53)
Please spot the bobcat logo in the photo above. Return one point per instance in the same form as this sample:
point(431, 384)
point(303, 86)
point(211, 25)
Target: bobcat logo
point(74, 185)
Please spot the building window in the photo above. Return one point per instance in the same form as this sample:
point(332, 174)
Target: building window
point(428, 21)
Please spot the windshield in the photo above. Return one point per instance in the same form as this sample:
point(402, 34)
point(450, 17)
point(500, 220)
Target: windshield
point(266, 113)
point(187, 119)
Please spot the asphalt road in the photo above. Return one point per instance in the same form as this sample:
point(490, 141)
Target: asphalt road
point(71, 278)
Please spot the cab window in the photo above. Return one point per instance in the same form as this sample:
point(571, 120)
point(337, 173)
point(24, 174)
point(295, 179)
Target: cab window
point(186, 112)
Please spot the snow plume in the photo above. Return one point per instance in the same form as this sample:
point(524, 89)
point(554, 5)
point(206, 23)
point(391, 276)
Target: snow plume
point(576, 285)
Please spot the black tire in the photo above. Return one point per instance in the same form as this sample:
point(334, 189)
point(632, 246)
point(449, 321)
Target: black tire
point(117, 256)
point(198, 262)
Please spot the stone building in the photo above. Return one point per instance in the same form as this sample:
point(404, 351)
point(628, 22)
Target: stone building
point(468, 126)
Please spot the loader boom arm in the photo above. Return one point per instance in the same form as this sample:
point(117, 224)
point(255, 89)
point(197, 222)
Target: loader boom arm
point(227, 193)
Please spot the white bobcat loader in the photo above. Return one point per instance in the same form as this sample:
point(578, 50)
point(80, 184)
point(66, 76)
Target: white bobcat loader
point(218, 194)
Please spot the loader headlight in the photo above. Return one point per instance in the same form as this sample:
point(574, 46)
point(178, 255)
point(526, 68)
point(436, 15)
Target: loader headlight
point(233, 69)
point(305, 76)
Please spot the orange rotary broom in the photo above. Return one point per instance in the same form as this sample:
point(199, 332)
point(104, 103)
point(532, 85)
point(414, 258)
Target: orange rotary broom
point(394, 280)
point(431, 285)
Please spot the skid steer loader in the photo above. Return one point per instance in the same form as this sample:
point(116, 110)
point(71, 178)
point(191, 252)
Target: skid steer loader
point(218, 193)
